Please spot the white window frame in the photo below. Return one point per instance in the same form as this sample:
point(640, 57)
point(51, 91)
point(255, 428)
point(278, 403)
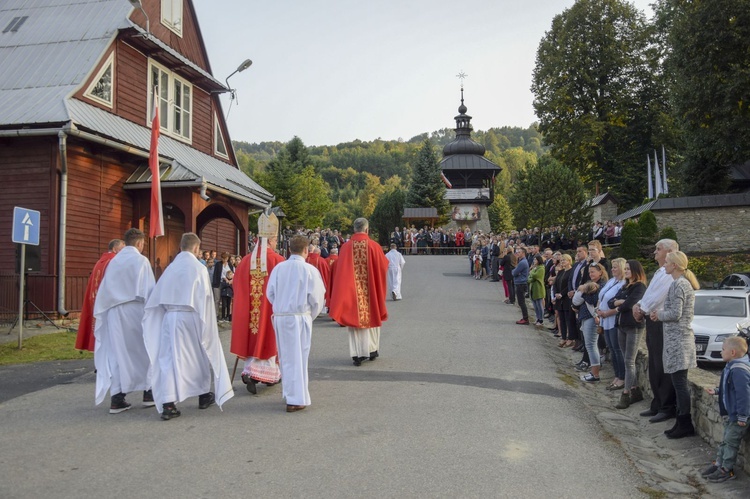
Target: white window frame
point(110, 63)
point(168, 107)
point(172, 15)
point(219, 139)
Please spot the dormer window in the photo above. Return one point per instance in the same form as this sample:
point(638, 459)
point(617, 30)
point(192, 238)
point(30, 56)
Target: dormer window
point(101, 88)
point(171, 15)
point(220, 147)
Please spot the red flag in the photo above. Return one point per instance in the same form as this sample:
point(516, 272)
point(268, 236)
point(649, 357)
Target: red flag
point(156, 221)
point(445, 180)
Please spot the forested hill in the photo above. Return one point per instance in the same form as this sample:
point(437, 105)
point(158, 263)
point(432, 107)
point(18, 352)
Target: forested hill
point(386, 158)
point(355, 174)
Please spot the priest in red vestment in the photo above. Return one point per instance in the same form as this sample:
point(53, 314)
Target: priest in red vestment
point(253, 336)
point(85, 337)
point(359, 288)
point(320, 263)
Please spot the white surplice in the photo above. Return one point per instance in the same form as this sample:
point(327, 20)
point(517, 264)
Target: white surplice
point(395, 265)
point(119, 351)
point(182, 337)
point(297, 293)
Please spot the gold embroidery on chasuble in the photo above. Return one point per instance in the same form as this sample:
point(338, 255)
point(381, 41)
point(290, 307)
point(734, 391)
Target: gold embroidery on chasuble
point(359, 250)
point(257, 278)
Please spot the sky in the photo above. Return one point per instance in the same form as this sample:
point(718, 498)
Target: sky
point(332, 71)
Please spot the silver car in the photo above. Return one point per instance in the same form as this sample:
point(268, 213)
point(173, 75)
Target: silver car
point(717, 312)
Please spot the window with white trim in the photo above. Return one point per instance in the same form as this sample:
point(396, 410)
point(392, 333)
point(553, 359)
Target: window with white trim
point(220, 147)
point(171, 15)
point(102, 86)
point(175, 100)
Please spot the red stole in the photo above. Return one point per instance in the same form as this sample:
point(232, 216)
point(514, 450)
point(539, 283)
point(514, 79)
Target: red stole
point(85, 338)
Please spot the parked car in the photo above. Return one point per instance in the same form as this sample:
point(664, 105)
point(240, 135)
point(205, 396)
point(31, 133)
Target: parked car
point(740, 280)
point(717, 313)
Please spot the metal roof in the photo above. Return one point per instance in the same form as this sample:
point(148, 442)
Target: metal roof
point(688, 202)
point(601, 199)
point(52, 53)
point(190, 164)
point(467, 162)
point(634, 212)
point(420, 213)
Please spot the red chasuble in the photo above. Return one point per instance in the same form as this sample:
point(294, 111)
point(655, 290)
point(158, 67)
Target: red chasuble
point(85, 338)
point(252, 330)
point(359, 284)
point(324, 268)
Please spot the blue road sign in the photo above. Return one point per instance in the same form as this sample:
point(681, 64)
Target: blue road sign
point(26, 226)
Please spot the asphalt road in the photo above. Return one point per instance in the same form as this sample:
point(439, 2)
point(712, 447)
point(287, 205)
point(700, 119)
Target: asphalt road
point(461, 403)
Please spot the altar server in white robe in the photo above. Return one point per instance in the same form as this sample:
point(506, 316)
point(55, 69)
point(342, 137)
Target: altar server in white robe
point(395, 266)
point(120, 354)
point(297, 293)
point(182, 337)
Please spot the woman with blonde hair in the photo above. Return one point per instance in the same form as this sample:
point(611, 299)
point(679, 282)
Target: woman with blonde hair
point(607, 321)
point(679, 342)
point(568, 330)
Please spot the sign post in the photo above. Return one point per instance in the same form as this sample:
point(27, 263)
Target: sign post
point(25, 231)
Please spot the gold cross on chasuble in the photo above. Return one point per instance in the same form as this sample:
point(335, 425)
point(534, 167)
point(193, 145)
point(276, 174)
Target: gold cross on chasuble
point(257, 279)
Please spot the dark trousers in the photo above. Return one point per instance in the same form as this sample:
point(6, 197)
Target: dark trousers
point(661, 383)
point(571, 327)
point(226, 307)
point(511, 292)
point(495, 267)
point(682, 391)
point(521, 290)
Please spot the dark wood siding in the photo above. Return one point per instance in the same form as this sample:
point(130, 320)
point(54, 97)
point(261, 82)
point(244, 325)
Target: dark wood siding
point(99, 210)
point(132, 89)
point(219, 234)
point(27, 173)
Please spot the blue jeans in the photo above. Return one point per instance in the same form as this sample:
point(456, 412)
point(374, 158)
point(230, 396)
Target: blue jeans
point(539, 309)
point(618, 360)
point(590, 337)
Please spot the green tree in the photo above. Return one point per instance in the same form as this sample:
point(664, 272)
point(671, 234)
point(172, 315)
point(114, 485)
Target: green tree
point(387, 214)
point(368, 197)
point(549, 193)
point(630, 239)
point(594, 94)
point(648, 228)
point(427, 189)
point(500, 215)
point(708, 63)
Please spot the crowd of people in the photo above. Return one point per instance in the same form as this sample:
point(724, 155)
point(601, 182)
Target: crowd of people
point(162, 338)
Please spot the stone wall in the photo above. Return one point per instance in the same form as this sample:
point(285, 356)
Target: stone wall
point(604, 212)
point(705, 408)
point(709, 229)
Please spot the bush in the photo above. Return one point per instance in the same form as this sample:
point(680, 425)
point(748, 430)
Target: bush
point(668, 233)
point(629, 244)
point(648, 228)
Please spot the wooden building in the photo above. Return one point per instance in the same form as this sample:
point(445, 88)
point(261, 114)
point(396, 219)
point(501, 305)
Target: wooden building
point(471, 176)
point(79, 81)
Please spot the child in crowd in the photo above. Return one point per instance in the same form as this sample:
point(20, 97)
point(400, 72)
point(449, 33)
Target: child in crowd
point(734, 405)
point(227, 293)
point(477, 260)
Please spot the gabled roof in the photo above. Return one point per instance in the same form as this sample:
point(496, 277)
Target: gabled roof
point(52, 53)
point(689, 202)
point(602, 199)
point(190, 165)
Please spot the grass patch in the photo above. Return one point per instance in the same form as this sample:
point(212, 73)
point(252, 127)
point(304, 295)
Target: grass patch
point(569, 380)
point(653, 493)
point(44, 347)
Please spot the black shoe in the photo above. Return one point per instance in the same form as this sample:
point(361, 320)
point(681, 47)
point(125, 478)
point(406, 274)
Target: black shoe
point(169, 411)
point(684, 428)
point(249, 383)
point(374, 355)
point(118, 404)
point(357, 361)
point(647, 413)
point(148, 399)
point(206, 400)
point(660, 416)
